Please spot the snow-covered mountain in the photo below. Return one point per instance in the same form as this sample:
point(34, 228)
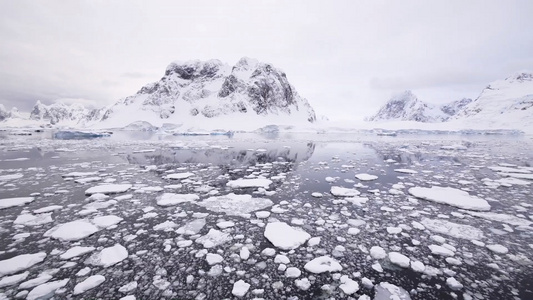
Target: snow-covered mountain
point(210, 94)
point(6, 114)
point(407, 107)
point(504, 103)
point(59, 113)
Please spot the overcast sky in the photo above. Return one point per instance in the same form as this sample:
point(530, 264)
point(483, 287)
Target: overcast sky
point(346, 57)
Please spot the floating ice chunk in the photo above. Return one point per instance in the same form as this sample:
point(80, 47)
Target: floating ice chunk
point(508, 170)
point(166, 226)
point(303, 284)
point(169, 199)
point(76, 251)
point(454, 284)
point(192, 227)
point(454, 147)
point(406, 171)
point(453, 229)
point(179, 176)
point(213, 259)
point(518, 175)
point(387, 291)
point(244, 253)
point(107, 221)
point(108, 189)
point(20, 263)
point(72, 231)
point(33, 220)
point(128, 287)
point(323, 264)
point(366, 177)
point(268, 252)
point(439, 250)
point(80, 174)
point(348, 286)
point(13, 279)
point(293, 272)
point(129, 297)
point(344, 192)
point(377, 267)
point(249, 183)
point(11, 176)
point(46, 290)
point(503, 218)
point(450, 196)
point(89, 283)
point(284, 236)
point(353, 231)
point(314, 241)
point(281, 259)
point(87, 180)
point(240, 288)
point(497, 248)
point(214, 238)
point(377, 252)
point(262, 214)
point(42, 278)
point(47, 209)
point(235, 205)
point(317, 195)
point(399, 259)
point(394, 230)
point(11, 202)
point(108, 256)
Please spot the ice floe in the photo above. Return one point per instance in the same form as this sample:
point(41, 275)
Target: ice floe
point(235, 205)
point(108, 256)
point(323, 264)
point(169, 199)
point(18, 201)
point(344, 192)
point(285, 237)
point(72, 231)
point(20, 263)
point(452, 229)
point(108, 189)
point(249, 183)
point(89, 283)
point(450, 196)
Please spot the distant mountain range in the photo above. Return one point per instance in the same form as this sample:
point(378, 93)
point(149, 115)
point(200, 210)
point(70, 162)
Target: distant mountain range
point(504, 103)
point(194, 93)
point(407, 107)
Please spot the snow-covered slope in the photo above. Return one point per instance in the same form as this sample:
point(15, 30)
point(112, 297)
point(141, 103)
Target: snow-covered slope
point(211, 94)
point(407, 107)
point(7, 114)
point(503, 104)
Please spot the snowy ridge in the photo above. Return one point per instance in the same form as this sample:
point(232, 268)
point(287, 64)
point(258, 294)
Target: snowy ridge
point(60, 113)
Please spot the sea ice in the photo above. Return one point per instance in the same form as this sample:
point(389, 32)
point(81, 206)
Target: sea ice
point(366, 177)
point(72, 231)
point(235, 205)
point(108, 256)
point(344, 192)
point(323, 264)
point(387, 291)
point(377, 252)
point(13, 279)
point(89, 283)
point(248, 183)
point(76, 251)
point(450, 196)
point(406, 171)
point(213, 238)
point(46, 290)
point(33, 220)
point(240, 288)
point(439, 250)
point(108, 189)
point(11, 202)
point(169, 199)
point(399, 259)
point(452, 229)
point(20, 263)
point(499, 217)
point(497, 248)
point(106, 221)
point(179, 176)
point(348, 286)
point(284, 236)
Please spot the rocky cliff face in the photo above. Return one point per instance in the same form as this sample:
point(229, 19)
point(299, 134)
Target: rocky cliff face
point(190, 91)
